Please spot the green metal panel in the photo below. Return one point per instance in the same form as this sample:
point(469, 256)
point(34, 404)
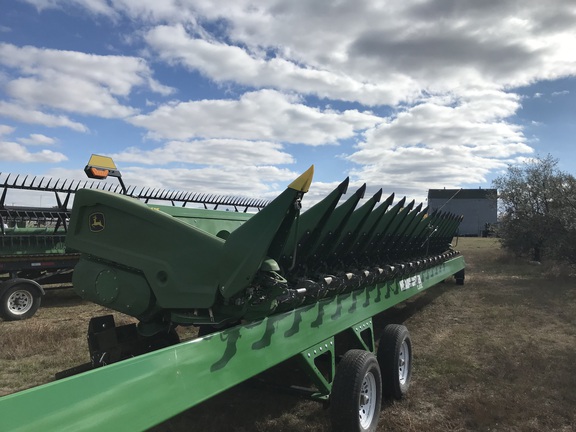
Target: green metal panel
point(308, 359)
point(265, 233)
point(335, 224)
point(382, 227)
point(354, 226)
point(211, 221)
point(157, 248)
point(360, 330)
point(371, 225)
point(138, 393)
point(305, 233)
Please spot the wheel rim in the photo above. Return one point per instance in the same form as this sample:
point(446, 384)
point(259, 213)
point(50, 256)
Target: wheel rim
point(368, 400)
point(20, 302)
point(404, 362)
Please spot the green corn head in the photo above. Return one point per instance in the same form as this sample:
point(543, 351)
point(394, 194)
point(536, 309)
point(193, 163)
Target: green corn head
point(170, 265)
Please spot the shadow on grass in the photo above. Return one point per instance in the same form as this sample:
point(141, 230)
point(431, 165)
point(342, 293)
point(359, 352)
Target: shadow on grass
point(61, 298)
point(250, 408)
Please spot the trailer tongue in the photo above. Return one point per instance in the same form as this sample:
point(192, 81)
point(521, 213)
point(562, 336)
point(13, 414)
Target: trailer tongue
point(262, 288)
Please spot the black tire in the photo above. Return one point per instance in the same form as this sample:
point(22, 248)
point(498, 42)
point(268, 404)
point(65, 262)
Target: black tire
point(20, 300)
point(395, 359)
point(356, 395)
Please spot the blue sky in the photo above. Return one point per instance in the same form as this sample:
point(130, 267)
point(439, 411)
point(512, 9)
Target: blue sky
point(239, 97)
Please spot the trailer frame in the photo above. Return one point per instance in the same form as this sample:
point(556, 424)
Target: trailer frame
point(146, 390)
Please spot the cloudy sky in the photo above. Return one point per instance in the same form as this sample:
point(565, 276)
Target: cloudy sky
point(239, 97)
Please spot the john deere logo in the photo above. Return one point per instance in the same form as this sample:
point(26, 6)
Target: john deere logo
point(97, 222)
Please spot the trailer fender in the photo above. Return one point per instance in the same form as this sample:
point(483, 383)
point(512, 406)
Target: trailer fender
point(19, 299)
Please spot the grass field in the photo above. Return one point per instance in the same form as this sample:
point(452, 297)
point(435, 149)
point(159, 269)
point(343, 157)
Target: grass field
point(497, 354)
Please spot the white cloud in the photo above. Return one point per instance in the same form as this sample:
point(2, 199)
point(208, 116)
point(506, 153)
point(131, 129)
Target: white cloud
point(37, 139)
point(6, 130)
point(25, 115)
point(455, 65)
point(261, 115)
point(221, 152)
point(372, 51)
point(99, 7)
point(437, 44)
point(447, 70)
point(75, 82)
point(222, 62)
point(81, 97)
point(442, 144)
point(14, 152)
point(469, 121)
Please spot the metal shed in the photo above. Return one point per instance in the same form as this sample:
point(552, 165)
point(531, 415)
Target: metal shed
point(478, 206)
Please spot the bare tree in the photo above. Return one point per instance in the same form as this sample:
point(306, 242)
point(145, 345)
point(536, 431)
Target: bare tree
point(538, 210)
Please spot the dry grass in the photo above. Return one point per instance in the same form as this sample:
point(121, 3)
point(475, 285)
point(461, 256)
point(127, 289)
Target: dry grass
point(32, 351)
point(497, 354)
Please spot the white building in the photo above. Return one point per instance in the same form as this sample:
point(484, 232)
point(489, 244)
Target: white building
point(478, 206)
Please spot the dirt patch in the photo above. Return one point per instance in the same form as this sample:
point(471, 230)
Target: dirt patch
point(496, 354)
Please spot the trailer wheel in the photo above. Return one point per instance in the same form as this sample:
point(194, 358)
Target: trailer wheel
point(356, 394)
point(20, 301)
point(395, 360)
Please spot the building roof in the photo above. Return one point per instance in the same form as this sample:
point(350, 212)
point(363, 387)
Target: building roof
point(462, 193)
